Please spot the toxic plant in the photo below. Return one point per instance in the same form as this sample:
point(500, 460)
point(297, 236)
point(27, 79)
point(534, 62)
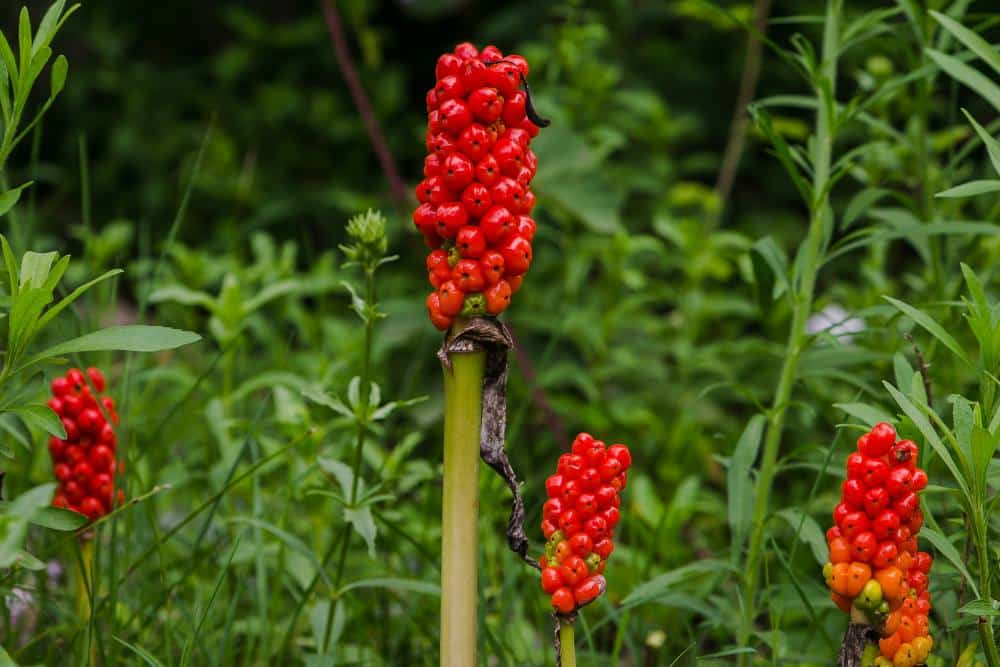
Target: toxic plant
point(474, 214)
point(578, 522)
point(876, 572)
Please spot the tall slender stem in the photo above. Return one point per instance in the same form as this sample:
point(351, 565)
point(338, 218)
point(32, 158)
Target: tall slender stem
point(359, 444)
point(803, 295)
point(567, 647)
point(463, 407)
point(84, 580)
point(985, 573)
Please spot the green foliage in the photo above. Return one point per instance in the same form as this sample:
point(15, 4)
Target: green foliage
point(287, 503)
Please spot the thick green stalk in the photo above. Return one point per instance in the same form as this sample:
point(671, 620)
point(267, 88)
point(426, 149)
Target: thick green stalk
point(803, 295)
point(567, 649)
point(463, 407)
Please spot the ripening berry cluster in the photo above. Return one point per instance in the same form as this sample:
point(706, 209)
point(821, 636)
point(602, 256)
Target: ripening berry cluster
point(84, 463)
point(579, 520)
point(876, 570)
point(475, 199)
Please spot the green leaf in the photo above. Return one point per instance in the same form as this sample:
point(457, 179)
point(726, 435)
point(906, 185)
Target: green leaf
point(920, 421)
point(41, 417)
point(971, 189)
point(48, 25)
point(770, 269)
point(948, 550)
point(57, 518)
point(60, 68)
point(146, 656)
point(970, 39)
point(182, 295)
point(409, 585)
point(9, 261)
point(363, 521)
point(24, 42)
point(810, 532)
point(291, 541)
point(35, 269)
point(7, 54)
point(983, 447)
point(128, 338)
point(868, 414)
point(73, 296)
point(968, 76)
point(10, 198)
point(992, 145)
point(931, 326)
point(981, 608)
point(5, 659)
point(664, 584)
point(739, 483)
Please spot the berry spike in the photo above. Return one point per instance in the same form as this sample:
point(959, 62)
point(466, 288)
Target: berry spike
point(476, 198)
point(578, 521)
point(84, 463)
point(876, 572)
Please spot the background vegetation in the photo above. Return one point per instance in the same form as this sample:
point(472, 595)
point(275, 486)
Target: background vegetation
point(214, 152)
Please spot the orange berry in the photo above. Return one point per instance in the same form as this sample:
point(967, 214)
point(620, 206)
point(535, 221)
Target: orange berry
point(858, 575)
point(890, 579)
point(840, 550)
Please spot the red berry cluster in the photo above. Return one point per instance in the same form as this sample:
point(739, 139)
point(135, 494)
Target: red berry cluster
point(579, 520)
point(875, 568)
point(84, 463)
point(475, 199)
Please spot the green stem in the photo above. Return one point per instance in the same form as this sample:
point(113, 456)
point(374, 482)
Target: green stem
point(84, 577)
point(567, 649)
point(359, 444)
point(803, 296)
point(985, 623)
point(463, 406)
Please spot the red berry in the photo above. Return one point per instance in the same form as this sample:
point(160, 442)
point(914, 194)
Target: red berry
point(854, 524)
point(468, 276)
point(457, 172)
point(455, 116)
point(899, 482)
point(451, 299)
point(466, 50)
point(604, 547)
point(573, 570)
point(92, 507)
point(596, 527)
point(875, 472)
point(855, 466)
point(447, 64)
point(507, 192)
point(508, 154)
point(497, 225)
point(864, 546)
point(876, 500)
point(904, 453)
point(487, 169)
point(881, 439)
point(75, 377)
point(590, 479)
point(449, 218)
point(516, 252)
point(581, 544)
point(61, 386)
point(551, 580)
point(553, 485)
point(486, 104)
point(922, 561)
point(885, 556)
point(907, 505)
point(853, 493)
point(448, 88)
point(885, 524)
point(72, 430)
point(493, 269)
point(438, 319)
point(562, 601)
point(476, 199)
point(475, 142)
point(102, 458)
point(589, 589)
point(497, 297)
point(471, 242)
point(514, 109)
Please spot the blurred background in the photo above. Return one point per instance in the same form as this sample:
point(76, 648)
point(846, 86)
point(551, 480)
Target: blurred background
point(223, 135)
